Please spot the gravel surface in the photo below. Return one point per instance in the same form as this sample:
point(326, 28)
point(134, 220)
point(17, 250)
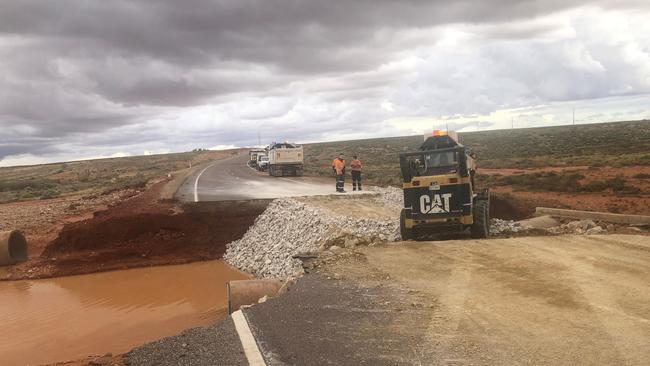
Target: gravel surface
point(588, 227)
point(389, 196)
point(290, 227)
point(498, 226)
point(214, 345)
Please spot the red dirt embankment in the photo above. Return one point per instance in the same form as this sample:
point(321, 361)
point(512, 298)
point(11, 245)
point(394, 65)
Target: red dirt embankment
point(141, 231)
point(606, 200)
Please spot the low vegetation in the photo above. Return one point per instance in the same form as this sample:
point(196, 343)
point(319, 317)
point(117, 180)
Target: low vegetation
point(616, 144)
point(608, 144)
point(559, 182)
point(92, 176)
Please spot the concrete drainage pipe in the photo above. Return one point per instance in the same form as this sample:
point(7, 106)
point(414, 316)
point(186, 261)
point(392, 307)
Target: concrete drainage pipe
point(248, 292)
point(13, 247)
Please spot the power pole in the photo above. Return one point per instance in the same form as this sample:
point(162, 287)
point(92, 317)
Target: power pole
point(512, 122)
point(447, 126)
point(477, 125)
point(574, 116)
point(259, 139)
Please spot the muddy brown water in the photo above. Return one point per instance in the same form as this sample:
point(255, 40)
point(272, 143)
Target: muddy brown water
point(67, 318)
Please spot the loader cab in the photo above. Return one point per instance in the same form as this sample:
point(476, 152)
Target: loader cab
point(439, 191)
point(433, 163)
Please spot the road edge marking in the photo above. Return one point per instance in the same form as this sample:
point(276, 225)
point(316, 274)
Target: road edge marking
point(196, 182)
point(247, 339)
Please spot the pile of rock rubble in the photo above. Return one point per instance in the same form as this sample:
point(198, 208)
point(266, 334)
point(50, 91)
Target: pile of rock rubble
point(389, 196)
point(288, 228)
point(587, 227)
point(498, 226)
point(579, 227)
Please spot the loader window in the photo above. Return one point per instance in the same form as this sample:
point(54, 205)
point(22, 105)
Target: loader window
point(442, 159)
point(430, 163)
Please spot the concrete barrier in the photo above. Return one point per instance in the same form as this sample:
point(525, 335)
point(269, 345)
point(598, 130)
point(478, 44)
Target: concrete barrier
point(13, 247)
point(593, 215)
point(540, 222)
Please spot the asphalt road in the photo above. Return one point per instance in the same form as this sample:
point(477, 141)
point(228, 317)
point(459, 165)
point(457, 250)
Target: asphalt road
point(231, 179)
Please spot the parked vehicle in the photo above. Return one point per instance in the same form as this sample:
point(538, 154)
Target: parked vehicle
point(252, 161)
point(285, 159)
point(262, 162)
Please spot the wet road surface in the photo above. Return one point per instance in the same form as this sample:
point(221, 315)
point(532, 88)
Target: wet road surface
point(232, 179)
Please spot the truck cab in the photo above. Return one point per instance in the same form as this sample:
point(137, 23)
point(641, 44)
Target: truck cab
point(439, 191)
point(253, 153)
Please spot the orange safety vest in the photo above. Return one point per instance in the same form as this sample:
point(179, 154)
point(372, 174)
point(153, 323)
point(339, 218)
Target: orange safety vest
point(355, 165)
point(339, 165)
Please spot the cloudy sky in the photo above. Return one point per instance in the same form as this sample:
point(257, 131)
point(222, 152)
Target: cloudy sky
point(82, 79)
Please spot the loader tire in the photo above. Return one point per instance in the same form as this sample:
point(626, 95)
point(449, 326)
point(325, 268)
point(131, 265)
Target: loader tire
point(481, 226)
point(407, 234)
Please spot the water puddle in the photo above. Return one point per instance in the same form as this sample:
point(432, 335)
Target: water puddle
point(70, 318)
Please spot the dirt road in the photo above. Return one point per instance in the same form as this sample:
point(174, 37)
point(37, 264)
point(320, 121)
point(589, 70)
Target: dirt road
point(231, 179)
point(564, 300)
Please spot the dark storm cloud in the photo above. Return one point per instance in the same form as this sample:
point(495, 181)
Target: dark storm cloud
point(82, 67)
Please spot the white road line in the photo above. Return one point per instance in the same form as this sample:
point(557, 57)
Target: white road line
point(196, 182)
point(252, 352)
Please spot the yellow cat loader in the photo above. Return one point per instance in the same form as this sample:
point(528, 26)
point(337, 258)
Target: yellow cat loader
point(439, 192)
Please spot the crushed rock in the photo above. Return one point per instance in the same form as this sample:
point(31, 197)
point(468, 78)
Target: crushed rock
point(391, 197)
point(588, 227)
point(499, 226)
point(289, 228)
point(577, 227)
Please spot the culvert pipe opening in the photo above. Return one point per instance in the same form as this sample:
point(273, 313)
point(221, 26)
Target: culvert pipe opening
point(13, 247)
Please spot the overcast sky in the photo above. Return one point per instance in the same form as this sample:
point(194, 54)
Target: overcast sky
point(82, 79)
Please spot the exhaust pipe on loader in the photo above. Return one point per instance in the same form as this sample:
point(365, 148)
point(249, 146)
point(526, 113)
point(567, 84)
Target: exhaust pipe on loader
point(13, 247)
point(247, 292)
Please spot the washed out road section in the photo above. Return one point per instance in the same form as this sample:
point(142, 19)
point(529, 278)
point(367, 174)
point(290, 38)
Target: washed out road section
point(69, 318)
point(232, 179)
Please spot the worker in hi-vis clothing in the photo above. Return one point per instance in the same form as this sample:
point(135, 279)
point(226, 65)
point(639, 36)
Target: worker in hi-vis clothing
point(355, 167)
point(338, 166)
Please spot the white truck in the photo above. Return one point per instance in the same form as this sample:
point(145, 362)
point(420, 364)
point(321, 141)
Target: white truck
point(252, 160)
point(285, 159)
point(262, 162)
